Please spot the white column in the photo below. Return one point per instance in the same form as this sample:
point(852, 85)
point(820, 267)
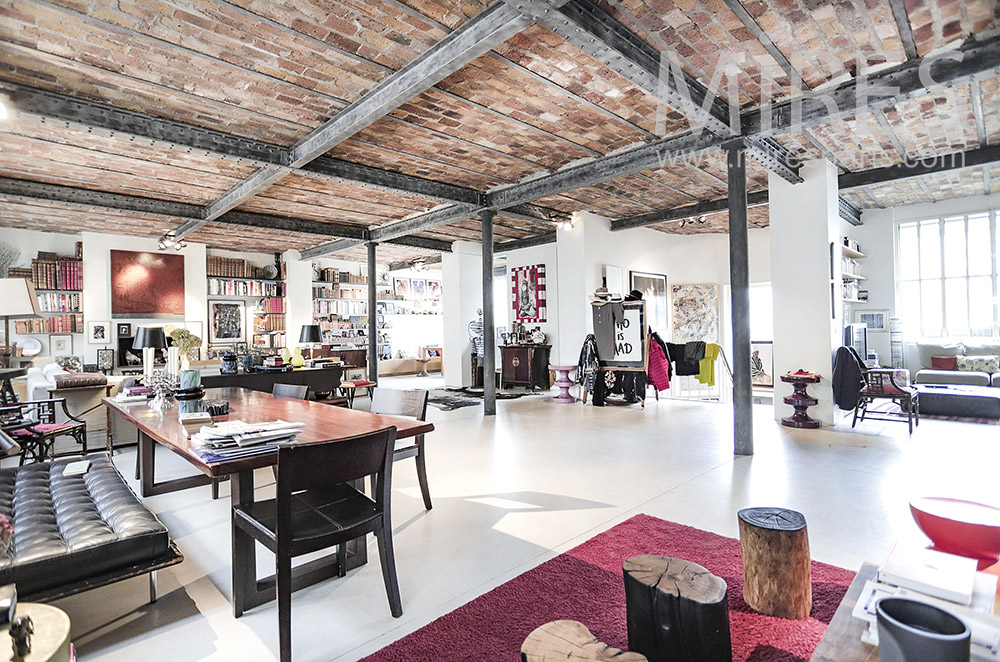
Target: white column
point(462, 297)
point(807, 298)
point(573, 281)
point(298, 296)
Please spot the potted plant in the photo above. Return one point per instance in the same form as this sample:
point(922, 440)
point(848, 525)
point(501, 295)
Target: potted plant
point(185, 342)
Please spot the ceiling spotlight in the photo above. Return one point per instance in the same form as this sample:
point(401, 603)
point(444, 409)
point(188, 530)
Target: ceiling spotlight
point(180, 245)
point(169, 240)
point(702, 219)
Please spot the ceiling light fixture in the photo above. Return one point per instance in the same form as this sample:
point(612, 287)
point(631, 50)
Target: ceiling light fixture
point(169, 240)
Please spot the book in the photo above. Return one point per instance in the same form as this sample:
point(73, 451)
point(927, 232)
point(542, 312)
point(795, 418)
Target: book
point(76, 468)
point(929, 571)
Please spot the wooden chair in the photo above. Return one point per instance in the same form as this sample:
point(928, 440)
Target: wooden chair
point(317, 506)
point(298, 391)
point(880, 384)
point(37, 439)
point(394, 402)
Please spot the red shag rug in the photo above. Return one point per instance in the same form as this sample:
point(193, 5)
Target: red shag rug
point(585, 584)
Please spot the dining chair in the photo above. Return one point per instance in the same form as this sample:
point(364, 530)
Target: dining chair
point(413, 403)
point(299, 391)
point(317, 506)
point(38, 438)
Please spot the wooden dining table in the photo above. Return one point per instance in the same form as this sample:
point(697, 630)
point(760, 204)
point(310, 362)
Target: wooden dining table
point(322, 422)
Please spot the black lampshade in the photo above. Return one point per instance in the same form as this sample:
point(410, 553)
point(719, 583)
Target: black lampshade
point(149, 336)
point(310, 333)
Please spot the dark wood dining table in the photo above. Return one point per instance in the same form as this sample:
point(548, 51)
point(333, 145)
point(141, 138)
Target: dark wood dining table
point(322, 422)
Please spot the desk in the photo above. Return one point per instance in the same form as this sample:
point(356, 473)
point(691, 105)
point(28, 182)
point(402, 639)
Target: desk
point(322, 422)
point(842, 640)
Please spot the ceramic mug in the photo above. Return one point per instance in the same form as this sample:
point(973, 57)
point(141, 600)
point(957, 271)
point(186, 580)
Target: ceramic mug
point(912, 631)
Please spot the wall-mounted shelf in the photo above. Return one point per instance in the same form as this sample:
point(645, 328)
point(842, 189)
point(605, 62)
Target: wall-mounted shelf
point(850, 252)
point(854, 277)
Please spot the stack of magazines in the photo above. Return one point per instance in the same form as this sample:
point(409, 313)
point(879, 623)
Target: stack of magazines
point(229, 440)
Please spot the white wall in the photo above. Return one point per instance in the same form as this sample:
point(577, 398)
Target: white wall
point(409, 332)
point(462, 296)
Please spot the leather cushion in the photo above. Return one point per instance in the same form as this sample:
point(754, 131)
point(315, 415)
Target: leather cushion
point(67, 528)
point(76, 380)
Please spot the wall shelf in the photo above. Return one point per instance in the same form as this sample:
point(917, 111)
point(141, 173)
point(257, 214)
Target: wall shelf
point(853, 277)
point(850, 252)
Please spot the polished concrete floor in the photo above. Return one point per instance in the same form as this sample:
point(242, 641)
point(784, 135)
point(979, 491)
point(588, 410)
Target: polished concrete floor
point(514, 490)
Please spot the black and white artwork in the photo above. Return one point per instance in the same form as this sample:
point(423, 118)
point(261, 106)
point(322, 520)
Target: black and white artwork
point(226, 322)
point(98, 333)
point(124, 329)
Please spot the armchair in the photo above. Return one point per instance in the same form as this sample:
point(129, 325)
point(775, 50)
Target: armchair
point(32, 424)
point(880, 383)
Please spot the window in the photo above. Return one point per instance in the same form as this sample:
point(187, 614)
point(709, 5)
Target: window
point(947, 276)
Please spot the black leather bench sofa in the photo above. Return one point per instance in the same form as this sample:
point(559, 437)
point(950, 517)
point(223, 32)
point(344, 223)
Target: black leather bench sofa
point(75, 533)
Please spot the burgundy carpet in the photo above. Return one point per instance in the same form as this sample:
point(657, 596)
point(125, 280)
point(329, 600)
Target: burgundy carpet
point(585, 584)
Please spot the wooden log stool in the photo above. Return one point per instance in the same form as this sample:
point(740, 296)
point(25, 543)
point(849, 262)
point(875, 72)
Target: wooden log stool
point(676, 611)
point(571, 641)
point(774, 545)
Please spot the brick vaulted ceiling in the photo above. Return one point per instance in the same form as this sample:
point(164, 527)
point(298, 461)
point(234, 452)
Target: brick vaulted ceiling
point(275, 71)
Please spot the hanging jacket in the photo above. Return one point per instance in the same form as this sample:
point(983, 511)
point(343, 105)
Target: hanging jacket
point(659, 367)
point(654, 337)
point(682, 366)
point(706, 367)
point(848, 378)
point(587, 366)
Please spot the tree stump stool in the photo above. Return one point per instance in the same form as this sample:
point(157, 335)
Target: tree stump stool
point(676, 611)
point(774, 545)
point(570, 641)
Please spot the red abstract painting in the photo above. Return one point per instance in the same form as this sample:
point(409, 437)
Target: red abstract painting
point(147, 285)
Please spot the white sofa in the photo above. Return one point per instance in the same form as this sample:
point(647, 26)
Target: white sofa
point(40, 380)
point(927, 374)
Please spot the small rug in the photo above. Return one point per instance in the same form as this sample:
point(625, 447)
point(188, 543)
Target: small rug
point(454, 398)
point(963, 419)
point(585, 584)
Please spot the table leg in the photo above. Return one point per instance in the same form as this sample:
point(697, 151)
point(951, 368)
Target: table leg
point(147, 480)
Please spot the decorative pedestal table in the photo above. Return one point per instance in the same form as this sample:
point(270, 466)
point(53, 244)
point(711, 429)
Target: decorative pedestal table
point(50, 642)
point(563, 382)
point(800, 400)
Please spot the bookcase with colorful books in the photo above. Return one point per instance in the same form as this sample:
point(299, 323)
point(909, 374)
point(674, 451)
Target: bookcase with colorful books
point(237, 278)
point(58, 282)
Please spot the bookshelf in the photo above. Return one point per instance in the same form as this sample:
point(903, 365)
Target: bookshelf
point(340, 308)
point(235, 278)
point(58, 282)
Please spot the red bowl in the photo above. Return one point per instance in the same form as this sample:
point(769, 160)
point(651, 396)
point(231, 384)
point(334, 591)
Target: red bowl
point(959, 527)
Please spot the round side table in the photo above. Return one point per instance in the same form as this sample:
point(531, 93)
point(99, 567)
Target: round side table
point(49, 643)
point(563, 382)
point(800, 400)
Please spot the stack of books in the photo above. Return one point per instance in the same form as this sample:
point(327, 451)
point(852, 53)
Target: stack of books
point(229, 440)
point(194, 421)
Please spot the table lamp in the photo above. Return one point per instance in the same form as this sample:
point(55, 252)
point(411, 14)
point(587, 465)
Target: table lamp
point(149, 339)
point(311, 335)
point(17, 301)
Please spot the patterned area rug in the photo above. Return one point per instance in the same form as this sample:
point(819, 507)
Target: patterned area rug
point(585, 584)
point(454, 398)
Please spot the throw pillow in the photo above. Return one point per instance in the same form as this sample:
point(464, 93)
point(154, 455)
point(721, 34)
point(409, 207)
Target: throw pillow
point(944, 362)
point(988, 364)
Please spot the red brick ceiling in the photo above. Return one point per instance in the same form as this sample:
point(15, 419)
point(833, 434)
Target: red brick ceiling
point(273, 71)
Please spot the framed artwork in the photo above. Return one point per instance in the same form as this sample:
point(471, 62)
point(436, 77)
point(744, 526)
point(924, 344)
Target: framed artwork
point(762, 363)
point(148, 285)
point(98, 333)
point(61, 345)
point(695, 313)
point(226, 322)
point(124, 329)
point(105, 359)
point(528, 287)
point(433, 289)
point(875, 320)
point(418, 287)
point(401, 288)
point(654, 293)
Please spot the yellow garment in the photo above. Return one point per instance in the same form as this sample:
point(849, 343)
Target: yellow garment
point(706, 368)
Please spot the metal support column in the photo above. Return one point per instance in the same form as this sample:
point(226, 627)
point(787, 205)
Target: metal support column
point(739, 279)
point(373, 315)
point(489, 345)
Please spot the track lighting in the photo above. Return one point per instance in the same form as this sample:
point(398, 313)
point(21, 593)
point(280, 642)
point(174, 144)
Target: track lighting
point(168, 240)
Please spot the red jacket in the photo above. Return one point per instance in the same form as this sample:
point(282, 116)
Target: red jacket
point(658, 367)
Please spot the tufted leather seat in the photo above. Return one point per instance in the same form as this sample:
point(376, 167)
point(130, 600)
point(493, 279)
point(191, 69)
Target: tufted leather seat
point(67, 528)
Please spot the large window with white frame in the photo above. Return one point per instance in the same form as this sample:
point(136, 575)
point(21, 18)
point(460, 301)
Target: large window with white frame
point(947, 276)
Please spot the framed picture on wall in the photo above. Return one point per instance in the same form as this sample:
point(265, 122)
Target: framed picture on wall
point(124, 329)
point(98, 333)
point(105, 359)
point(147, 285)
point(875, 320)
point(528, 289)
point(654, 293)
point(226, 322)
point(762, 363)
point(401, 288)
point(418, 287)
point(434, 289)
point(61, 345)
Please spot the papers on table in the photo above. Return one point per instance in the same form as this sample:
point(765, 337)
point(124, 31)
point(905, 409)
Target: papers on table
point(232, 439)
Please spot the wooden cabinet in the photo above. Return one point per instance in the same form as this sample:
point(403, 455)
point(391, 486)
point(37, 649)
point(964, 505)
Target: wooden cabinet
point(525, 365)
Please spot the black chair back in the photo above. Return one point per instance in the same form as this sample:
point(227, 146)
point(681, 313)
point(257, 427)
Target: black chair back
point(299, 391)
point(307, 466)
point(396, 402)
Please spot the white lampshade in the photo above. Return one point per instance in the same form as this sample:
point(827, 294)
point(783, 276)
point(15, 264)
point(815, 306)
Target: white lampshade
point(17, 299)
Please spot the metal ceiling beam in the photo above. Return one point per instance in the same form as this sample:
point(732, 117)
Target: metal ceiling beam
point(79, 196)
point(388, 180)
point(430, 219)
point(905, 29)
point(883, 122)
point(762, 37)
point(770, 154)
point(476, 36)
point(408, 264)
point(977, 112)
point(588, 27)
point(422, 242)
point(687, 211)
point(917, 77)
point(848, 211)
point(953, 161)
point(330, 248)
point(527, 242)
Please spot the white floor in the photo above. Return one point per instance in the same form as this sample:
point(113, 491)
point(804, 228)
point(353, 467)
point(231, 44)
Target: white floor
point(514, 490)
